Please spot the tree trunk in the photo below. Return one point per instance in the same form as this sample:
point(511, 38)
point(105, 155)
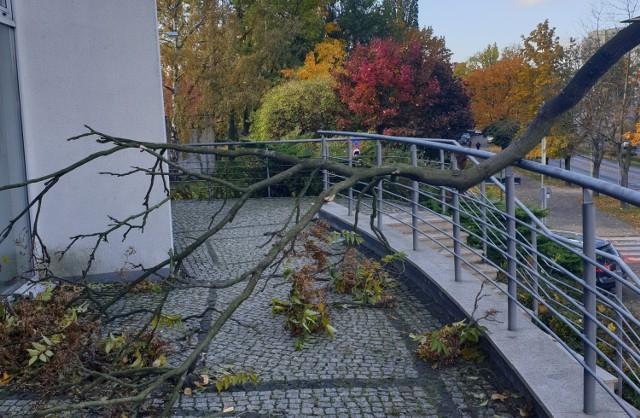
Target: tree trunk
point(245, 122)
point(624, 162)
point(232, 133)
point(567, 166)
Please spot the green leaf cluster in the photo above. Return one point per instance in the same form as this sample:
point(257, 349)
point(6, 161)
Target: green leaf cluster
point(40, 352)
point(301, 318)
point(445, 345)
point(166, 321)
point(228, 376)
point(295, 109)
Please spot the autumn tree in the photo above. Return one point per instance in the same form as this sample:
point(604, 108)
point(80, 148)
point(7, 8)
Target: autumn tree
point(515, 86)
point(225, 55)
point(180, 27)
point(492, 91)
point(403, 88)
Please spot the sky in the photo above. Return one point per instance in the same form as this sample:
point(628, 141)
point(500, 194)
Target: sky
point(468, 26)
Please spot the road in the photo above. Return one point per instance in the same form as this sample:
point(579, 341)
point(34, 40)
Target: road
point(609, 170)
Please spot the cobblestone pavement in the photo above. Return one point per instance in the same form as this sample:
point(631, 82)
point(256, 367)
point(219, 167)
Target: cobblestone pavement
point(367, 370)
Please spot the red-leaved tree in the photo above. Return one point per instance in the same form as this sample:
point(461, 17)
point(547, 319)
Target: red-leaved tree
point(403, 88)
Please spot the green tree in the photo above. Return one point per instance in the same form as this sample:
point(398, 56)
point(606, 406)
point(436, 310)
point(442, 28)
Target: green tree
point(401, 15)
point(270, 36)
point(359, 20)
point(503, 132)
point(296, 108)
point(544, 55)
point(480, 60)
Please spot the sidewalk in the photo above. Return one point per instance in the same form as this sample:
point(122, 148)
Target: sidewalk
point(565, 209)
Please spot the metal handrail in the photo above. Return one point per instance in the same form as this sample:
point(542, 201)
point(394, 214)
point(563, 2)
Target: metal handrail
point(625, 337)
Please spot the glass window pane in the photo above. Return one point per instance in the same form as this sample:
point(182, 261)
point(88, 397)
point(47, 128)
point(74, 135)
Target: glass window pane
point(14, 254)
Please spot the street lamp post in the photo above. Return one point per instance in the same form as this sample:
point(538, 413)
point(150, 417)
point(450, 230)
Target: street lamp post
point(543, 193)
point(173, 35)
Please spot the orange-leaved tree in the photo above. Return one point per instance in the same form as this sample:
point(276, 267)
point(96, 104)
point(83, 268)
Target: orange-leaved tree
point(492, 91)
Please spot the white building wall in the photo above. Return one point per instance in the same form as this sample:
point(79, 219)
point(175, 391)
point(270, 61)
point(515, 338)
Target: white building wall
point(95, 63)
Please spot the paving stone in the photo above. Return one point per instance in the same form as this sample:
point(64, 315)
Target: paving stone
point(367, 370)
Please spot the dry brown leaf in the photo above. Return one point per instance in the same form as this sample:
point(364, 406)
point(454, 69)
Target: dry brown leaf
point(499, 397)
point(6, 378)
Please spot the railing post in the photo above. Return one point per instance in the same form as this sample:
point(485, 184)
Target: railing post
point(483, 223)
point(455, 202)
point(324, 152)
point(350, 161)
point(209, 189)
point(619, 349)
point(534, 267)
point(380, 190)
point(414, 198)
point(589, 300)
point(268, 173)
point(443, 191)
point(512, 284)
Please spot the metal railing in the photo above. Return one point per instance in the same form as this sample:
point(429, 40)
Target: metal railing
point(567, 286)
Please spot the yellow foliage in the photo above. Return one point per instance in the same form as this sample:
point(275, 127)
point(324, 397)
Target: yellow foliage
point(611, 327)
point(326, 56)
point(633, 137)
point(330, 28)
point(534, 153)
point(493, 91)
point(6, 378)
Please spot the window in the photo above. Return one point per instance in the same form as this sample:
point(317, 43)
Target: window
point(5, 11)
point(14, 250)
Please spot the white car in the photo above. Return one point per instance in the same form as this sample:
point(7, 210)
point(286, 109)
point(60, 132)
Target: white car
point(489, 139)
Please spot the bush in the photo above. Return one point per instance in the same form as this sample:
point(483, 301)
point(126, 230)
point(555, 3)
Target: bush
point(297, 108)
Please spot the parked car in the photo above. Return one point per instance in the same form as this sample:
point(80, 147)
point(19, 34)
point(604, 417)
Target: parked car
point(464, 138)
point(489, 139)
point(604, 279)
